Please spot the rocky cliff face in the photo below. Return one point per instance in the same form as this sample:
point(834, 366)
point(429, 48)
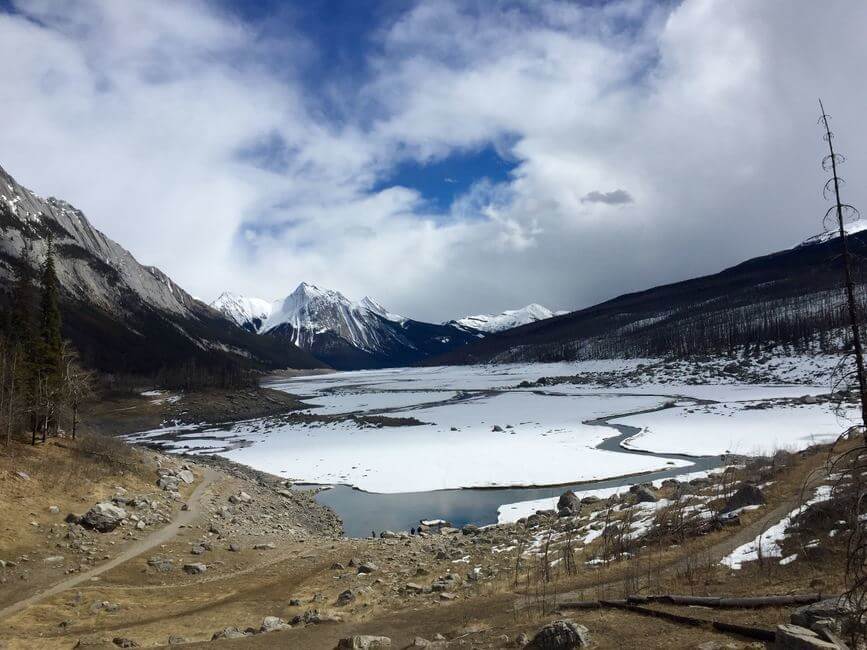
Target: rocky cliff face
point(122, 315)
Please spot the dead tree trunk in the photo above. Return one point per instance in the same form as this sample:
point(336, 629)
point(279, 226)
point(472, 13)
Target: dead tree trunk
point(838, 209)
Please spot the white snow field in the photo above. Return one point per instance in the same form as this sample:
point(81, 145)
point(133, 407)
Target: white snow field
point(736, 428)
point(479, 429)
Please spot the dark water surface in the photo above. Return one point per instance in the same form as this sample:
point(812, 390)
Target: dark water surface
point(363, 512)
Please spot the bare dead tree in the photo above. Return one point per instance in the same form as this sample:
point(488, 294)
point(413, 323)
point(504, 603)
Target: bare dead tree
point(849, 467)
point(839, 211)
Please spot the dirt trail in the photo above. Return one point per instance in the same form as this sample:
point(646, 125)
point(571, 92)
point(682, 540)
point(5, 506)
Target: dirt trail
point(161, 536)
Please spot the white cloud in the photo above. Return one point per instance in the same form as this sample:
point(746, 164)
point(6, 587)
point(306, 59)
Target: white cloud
point(704, 113)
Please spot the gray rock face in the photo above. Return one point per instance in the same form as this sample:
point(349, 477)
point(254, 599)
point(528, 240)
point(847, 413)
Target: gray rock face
point(364, 642)
point(794, 637)
point(561, 635)
point(832, 610)
point(103, 517)
point(747, 495)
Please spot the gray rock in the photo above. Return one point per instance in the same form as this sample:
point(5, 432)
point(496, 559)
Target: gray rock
point(161, 564)
point(561, 635)
point(470, 529)
point(346, 597)
point(123, 642)
point(186, 476)
point(645, 494)
point(54, 510)
point(836, 610)
point(590, 500)
point(413, 588)
point(177, 639)
point(794, 637)
point(747, 495)
point(569, 501)
point(273, 624)
point(368, 567)
point(103, 517)
point(195, 568)
point(264, 547)
point(228, 633)
point(364, 642)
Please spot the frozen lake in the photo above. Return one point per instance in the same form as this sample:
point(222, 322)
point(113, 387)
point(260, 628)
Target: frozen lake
point(471, 441)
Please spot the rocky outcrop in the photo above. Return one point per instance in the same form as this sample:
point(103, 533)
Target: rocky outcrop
point(103, 517)
point(747, 495)
point(561, 635)
point(364, 642)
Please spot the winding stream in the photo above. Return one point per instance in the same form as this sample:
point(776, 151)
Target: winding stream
point(365, 512)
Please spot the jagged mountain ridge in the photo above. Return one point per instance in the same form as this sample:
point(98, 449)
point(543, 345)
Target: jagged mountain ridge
point(353, 335)
point(246, 312)
point(788, 297)
point(122, 316)
point(490, 323)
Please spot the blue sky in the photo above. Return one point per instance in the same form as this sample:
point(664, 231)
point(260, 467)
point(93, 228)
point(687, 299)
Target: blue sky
point(446, 157)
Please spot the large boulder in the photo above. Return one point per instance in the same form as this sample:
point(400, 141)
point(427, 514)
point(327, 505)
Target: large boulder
point(103, 517)
point(794, 637)
point(561, 635)
point(364, 642)
point(273, 624)
point(835, 611)
point(570, 502)
point(747, 495)
point(645, 494)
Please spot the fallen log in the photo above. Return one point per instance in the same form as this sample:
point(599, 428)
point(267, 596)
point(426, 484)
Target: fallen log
point(580, 604)
point(733, 602)
point(748, 631)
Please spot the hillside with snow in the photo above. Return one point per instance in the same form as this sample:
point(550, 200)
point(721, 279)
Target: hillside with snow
point(248, 313)
point(490, 323)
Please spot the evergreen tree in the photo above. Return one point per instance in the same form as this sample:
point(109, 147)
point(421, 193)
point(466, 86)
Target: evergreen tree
point(49, 325)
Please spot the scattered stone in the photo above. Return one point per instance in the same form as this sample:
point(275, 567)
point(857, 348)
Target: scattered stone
point(186, 476)
point(228, 633)
point(104, 606)
point(470, 529)
point(123, 642)
point(54, 509)
point(337, 566)
point(368, 567)
point(195, 568)
point(53, 559)
point(264, 547)
point(103, 517)
point(273, 624)
point(346, 597)
point(413, 588)
point(364, 642)
point(161, 564)
point(590, 500)
point(446, 595)
point(24, 476)
point(235, 548)
point(561, 635)
point(497, 428)
point(177, 639)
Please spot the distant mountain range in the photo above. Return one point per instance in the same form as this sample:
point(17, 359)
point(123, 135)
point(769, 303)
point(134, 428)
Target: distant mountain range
point(491, 323)
point(121, 315)
point(364, 334)
point(791, 298)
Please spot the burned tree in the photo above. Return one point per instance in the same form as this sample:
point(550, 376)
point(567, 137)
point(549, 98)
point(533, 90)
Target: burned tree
point(839, 213)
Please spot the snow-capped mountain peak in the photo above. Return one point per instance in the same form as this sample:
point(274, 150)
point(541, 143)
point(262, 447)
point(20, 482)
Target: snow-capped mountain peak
point(489, 323)
point(247, 312)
